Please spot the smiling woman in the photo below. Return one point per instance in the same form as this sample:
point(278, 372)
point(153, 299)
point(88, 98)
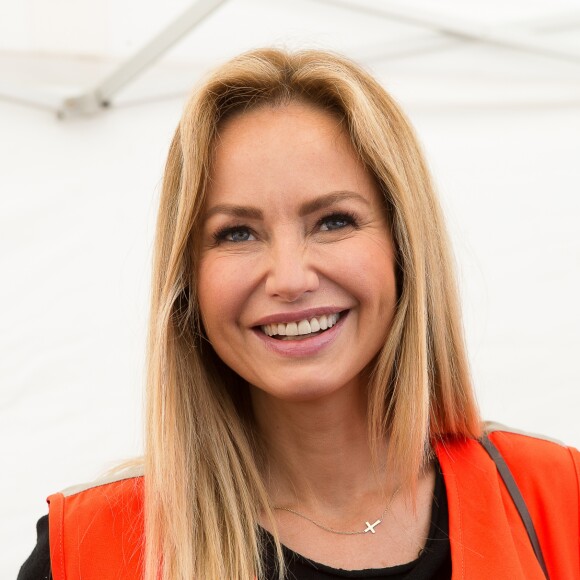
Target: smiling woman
point(309, 408)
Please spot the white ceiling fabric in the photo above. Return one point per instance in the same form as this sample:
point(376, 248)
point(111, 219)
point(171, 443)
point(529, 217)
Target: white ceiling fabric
point(501, 130)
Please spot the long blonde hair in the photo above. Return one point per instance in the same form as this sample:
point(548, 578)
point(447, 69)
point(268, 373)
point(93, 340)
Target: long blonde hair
point(203, 486)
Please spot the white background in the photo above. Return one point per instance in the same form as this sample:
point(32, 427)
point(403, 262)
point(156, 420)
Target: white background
point(501, 130)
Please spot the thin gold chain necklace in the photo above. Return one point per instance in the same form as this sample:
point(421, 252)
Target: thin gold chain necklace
point(370, 527)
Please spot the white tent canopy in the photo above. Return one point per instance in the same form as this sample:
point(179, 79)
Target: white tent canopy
point(493, 90)
point(392, 30)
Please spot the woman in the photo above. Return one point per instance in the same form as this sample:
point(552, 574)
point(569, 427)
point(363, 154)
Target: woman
point(310, 412)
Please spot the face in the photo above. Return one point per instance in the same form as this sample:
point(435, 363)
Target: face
point(296, 275)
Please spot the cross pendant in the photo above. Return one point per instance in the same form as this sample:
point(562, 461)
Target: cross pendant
point(371, 527)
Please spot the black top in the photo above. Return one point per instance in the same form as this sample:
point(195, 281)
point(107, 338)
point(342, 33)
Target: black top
point(37, 567)
point(434, 562)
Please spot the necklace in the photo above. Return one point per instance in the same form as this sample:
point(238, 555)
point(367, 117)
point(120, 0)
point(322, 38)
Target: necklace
point(370, 527)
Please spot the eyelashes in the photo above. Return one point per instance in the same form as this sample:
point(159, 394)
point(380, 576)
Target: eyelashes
point(338, 221)
point(234, 234)
point(333, 222)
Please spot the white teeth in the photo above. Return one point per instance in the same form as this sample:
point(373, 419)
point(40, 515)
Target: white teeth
point(292, 329)
point(302, 327)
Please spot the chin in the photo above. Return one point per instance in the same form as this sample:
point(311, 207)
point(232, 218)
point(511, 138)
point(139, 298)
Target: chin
point(305, 392)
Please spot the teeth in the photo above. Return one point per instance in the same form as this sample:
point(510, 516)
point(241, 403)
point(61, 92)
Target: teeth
point(302, 327)
point(292, 329)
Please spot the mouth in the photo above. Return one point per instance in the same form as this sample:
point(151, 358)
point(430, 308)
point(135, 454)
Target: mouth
point(302, 329)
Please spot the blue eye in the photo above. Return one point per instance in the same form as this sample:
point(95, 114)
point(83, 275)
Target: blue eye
point(239, 235)
point(234, 235)
point(336, 222)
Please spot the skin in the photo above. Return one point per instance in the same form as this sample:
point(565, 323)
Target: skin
point(295, 226)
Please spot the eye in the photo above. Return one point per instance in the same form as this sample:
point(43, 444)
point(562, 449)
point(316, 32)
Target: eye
point(235, 235)
point(337, 221)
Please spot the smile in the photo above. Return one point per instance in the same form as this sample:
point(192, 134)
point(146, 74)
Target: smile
point(301, 328)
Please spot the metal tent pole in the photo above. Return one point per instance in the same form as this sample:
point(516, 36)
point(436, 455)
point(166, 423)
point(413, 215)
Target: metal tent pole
point(504, 36)
point(100, 95)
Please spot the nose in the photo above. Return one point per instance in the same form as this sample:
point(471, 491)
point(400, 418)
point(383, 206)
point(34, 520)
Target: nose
point(290, 274)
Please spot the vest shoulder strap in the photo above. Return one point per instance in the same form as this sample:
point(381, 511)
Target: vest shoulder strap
point(96, 530)
point(517, 498)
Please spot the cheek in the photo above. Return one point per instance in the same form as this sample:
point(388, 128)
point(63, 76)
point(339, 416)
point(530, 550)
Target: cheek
point(380, 264)
point(211, 294)
point(367, 270)
point(220, 293)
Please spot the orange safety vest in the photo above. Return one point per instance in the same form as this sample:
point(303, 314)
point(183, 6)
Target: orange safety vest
point(96, 531)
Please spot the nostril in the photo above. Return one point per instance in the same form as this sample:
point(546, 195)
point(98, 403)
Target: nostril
point(291, 283)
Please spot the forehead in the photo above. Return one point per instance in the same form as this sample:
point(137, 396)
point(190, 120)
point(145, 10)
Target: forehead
point(262, 134)
point(294, 151)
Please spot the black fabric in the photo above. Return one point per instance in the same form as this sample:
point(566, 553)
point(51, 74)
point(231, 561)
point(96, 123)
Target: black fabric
point(37, 567)
point(434, 562)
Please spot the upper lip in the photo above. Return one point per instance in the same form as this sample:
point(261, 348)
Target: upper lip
point(297, 315)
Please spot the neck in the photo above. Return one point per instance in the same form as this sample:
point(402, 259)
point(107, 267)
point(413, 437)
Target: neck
point(318, 451)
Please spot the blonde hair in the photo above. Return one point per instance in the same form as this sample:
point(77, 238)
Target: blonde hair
point(203, 486)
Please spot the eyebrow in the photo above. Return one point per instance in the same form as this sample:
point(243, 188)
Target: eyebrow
point(242, 211)
point(249, 212)
point(329, 199)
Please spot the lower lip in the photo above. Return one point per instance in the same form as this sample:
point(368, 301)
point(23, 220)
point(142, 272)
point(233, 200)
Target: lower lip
point(304, 346)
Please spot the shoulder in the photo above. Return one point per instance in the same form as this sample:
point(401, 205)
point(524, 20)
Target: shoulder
point(533, 453)
point(116, 482)
point(97, 499)
point(542, 466)
point(98, 527)
point(100, 500)
point(546, 472)
point(483, 515)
